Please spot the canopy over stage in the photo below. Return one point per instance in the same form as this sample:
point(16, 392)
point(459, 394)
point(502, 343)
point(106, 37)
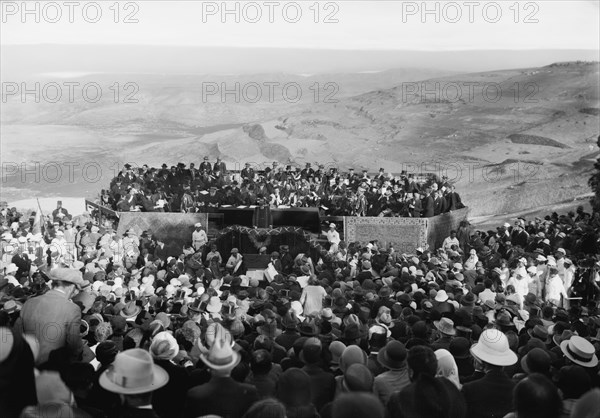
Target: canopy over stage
point(405, 234)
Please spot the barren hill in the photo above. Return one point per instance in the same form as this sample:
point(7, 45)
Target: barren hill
point(511, 139)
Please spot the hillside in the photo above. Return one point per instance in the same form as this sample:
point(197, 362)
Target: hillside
point(525, 137)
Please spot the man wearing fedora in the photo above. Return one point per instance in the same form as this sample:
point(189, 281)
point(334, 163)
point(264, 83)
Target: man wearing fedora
point(492, 395)
point(221, 395)
point(445, 326)
point(392, 358)
point(134, 376)
point(54, 319)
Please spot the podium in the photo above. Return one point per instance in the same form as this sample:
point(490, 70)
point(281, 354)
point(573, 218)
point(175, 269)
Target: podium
point(262, 217)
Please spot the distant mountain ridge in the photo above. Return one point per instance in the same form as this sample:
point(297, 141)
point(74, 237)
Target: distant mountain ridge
point(525, 147)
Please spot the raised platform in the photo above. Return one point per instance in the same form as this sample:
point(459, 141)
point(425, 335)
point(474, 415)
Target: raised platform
point(405, 234)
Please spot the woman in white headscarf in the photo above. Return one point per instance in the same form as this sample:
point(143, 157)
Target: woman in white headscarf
point(447, 367)
point(471, 262)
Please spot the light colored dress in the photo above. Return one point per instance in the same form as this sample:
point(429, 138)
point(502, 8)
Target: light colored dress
point(312, 299)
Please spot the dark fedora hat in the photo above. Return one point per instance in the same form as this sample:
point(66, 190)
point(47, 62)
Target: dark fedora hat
point(308, 328)
point(353, 332)
point(503, 319)
point(393, 355)
point(538, 332)
point(536, 360)
point(468, 299)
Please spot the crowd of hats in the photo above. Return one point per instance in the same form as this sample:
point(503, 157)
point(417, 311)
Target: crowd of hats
point(335, 192)
point(379, 304)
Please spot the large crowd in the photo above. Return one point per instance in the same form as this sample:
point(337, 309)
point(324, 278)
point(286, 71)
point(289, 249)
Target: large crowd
point(210, 186)
point(499, 323)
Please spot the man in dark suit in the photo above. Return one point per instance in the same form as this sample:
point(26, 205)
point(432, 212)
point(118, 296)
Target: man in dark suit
point(220, 166)
point(247, 173)
point(205, 167)
point(287, 261)
point(54, 319)
point(492, 395)
point(322, 383)
point(438, 203)
point(59, 213)
point(427, 204)
point(519, 236)
point(221, 395)
point(307, 172)
point(453, 199)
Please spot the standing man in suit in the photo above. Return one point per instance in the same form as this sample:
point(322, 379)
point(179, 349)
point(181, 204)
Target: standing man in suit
point(247, 173)
point(54, 319)
point(59, 213)
point(428, 204)
point(221, 395)
point(307, 172)
point(220, 166)
point(438, 203)
point(415, 205)
point(492, 395)
point(287, 261)
point(205, 167)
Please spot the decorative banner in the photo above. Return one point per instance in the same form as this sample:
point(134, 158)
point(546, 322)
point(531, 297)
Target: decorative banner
point(439, 227)
point(249, 240)
point(174, 229)
point(405, 234)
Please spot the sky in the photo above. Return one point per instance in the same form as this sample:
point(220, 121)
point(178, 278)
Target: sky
point(344, 25)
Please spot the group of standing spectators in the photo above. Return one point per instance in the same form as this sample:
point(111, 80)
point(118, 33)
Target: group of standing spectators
point(497, 323)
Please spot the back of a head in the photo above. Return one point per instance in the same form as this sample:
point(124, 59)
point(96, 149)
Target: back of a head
point(261, 362)
point(357, 405)
point(432, 396)
point(547, 312)
point(422, 361)
point(419, 330)
point(573, 381)
point(358, 378)
point(537, 397)
point(266, 408)
point(293, 388)
point(587, 405)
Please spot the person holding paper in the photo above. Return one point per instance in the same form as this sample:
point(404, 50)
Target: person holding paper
point(233, 260)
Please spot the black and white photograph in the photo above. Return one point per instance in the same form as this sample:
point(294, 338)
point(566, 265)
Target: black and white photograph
point(300, 209)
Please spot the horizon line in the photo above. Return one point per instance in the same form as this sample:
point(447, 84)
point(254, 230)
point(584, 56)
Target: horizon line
point(299, 48)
